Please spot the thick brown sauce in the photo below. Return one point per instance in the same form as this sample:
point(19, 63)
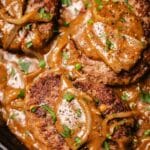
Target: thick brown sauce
point(13, 108)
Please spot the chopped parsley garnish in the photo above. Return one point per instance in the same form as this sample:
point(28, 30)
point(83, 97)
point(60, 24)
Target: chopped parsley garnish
point(66, 24)
point(65, 55)
point(28, 26)
point(108, 136)
point(87, 4)
point(77, 140)
point(106, 145)
point(66, 2)
point(13, 116)
point(24, 65)
point(29, 44)
point(21, 93)
point(78, 66)
point(122, 20)
point(66, 132)
point(42, 63)
point(78, 111)
point(33, 109)
point(125, 96)
point(147, 132)
point(13, 72)
point(44, 14)
point(69, 96)
point(109, 44)
point(100, 4)
point(50, 111)
point(90, 22)
point(128, 5)
point(145, 97)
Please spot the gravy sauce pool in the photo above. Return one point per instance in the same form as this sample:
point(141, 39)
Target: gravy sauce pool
point(12, 99)
point(18, 72)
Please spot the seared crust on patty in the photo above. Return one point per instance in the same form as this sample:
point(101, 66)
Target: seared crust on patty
point(44, 90)
point(108, 103)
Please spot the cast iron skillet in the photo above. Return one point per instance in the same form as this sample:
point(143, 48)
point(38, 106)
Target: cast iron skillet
point(7, 139)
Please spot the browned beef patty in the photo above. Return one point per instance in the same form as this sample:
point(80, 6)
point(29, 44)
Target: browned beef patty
point(108, 103)
point(27, 25)
point(44, 91)
point(98, 71)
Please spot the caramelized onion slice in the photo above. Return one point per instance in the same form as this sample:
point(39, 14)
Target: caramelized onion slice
point(74, 118)
point(29, 17)
point(116, 115)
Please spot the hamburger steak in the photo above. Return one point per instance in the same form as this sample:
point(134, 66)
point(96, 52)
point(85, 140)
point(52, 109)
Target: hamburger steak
point(46, 91)
point(26, 25)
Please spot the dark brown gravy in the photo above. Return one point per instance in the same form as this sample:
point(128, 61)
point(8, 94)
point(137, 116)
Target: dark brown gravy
point(13, 79)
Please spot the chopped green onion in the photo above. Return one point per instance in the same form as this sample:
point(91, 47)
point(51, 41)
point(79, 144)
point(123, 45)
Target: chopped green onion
point(109, 44)
point(145, 97)
point(66, 24)
point(69, 96)
point(90, 22)
point(42, 63)
point(28, 26)
point(78, 66)
point(44, 14)
point(29, 44)
point(78, 112)
point(50, 111)
point(65, 55)
point(12, 73)
point(66, 2)
point(100, 5)
point(66, 132)
point(77, 140)
point(21, 94)
point(106, 145)
point(33, 109)
point(125, 96)
point(147, 132)
point(24, 65)
point(108, 136)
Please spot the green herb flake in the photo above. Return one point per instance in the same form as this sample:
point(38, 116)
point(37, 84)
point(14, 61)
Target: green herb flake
point(106, 145)
point(109, 44)
point(69, 96)
point(66, 24)
point(90, 22)
point(122, 20)
point(77, 140)
point(51, 112)
point(87, 4)
point(128, 5)
point(65, 55)
point(29, 44)
point(78, 66)
point(33, 109)
point(13, 116)
point(24, 65)
point(78, 111)
point(145, 96)
point(66, 132)
point(125, 96)
point(44, 14)
point(21, 94)
point(66, 2)
point(13, 72)
point(28, 26)
point(42, 63)
point(147, 132)
point(100, 5)
point(108, 136)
